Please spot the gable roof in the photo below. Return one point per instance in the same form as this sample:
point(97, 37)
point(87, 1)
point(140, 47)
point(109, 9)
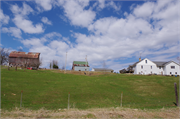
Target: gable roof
point(170, 62)
point(18, 54)
point(160, 63)
point(136, 63)
point(80, 62)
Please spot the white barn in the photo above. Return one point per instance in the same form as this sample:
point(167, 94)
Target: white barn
point(146, 66)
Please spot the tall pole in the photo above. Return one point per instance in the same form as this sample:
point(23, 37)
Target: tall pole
point(86, 61)
point(65, 62)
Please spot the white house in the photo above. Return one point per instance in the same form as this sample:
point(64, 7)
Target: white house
point(146, 66)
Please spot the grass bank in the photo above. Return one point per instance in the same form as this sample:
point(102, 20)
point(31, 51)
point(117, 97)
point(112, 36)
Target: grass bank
point(49, 89)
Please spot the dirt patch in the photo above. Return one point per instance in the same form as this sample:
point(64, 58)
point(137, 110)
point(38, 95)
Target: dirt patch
point(92, 113)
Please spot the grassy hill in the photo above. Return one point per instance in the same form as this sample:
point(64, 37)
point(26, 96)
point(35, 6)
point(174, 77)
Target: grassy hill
point(49, 89)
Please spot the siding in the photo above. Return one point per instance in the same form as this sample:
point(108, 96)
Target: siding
point(76, 68)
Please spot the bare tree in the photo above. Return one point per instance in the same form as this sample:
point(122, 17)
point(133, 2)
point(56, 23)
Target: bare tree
point(54, 64)
point(130, 69)
point(36, 63)
point(4, 55)
point(50, 65)
point(178, 58)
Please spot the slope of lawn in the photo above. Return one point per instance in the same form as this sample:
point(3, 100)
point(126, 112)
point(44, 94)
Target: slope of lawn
point(45, 88)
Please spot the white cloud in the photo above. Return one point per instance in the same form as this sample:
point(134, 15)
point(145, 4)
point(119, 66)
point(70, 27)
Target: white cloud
point(76, 13)
point(35, 42)
point(21, 21)
point(113, 5)
point(144, 10)
point(46, 21)
point(101, 3)
point(44, 4)
point(4, 19)
point(13, 31)
point(112, 38)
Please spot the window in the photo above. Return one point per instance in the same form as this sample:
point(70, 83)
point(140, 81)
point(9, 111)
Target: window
point(151, 67)
point(159, 67)
point(172, 67)
point(146, 61)
point(175, 72)
point(170, 73)
point(141, 67)
point(151, 72)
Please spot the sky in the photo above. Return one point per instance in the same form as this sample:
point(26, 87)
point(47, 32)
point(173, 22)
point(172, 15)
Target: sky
point(111, 32)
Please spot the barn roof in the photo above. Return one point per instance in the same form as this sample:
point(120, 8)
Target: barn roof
point(15, 54)
point(80, 62)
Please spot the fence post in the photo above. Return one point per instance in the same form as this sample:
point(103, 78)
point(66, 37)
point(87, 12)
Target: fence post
point(176, 94)
point(21, 98)
point(121, 98)
point(16, 68)
point(8, 67)
point(68, 99)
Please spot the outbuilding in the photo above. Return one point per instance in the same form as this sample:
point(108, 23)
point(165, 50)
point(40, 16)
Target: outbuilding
point(80, 66)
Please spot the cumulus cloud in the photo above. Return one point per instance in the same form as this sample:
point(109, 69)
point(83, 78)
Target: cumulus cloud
point(144, 10)
point(75, 11)
point(16, 32)
point(101, 4)
point(46, 21)
point(52, 46)
point(21, 20)
point(112, 38)
point(44, 4)
point(4, 19)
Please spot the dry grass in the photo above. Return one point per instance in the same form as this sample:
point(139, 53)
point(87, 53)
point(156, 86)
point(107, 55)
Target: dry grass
point(90, 73)
point(92, 113)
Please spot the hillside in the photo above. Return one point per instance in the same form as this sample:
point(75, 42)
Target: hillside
point(49, 89)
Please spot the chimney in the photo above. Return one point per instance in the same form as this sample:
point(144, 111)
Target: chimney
point(139, 59)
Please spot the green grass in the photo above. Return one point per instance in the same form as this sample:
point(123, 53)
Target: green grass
point(45, 88)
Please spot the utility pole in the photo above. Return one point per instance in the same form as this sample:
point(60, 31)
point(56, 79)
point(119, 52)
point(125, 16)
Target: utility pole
point(86, 61)
point(65, 62)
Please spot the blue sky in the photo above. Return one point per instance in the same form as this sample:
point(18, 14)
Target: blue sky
point(114, 32)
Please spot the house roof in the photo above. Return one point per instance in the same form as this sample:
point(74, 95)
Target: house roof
point(160, 63)
point(102, 69)
point(170, 62)
point(15, 54)
point(136, 63)
point(80, 62)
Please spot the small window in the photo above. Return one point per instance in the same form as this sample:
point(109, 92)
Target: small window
point(146, 61)
point(172, 67)
point(151, 72)
point(141, 67)
point(170, 73)
point(175, 72)
point(151, 67)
